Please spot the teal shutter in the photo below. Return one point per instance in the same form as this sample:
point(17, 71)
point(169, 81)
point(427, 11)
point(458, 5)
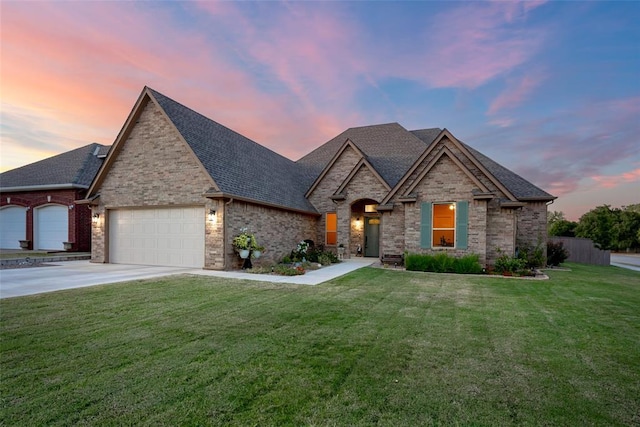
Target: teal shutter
point(462, 224)
point(425, 225)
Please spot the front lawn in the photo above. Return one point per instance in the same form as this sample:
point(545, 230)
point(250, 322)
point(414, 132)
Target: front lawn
point(373, 347)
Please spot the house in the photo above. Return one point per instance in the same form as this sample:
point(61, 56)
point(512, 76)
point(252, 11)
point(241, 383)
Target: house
point(37, 201)
point(176, 188)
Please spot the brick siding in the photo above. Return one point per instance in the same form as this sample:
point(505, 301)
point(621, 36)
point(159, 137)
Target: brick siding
point(79, 216)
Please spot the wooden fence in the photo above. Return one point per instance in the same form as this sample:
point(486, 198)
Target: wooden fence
point(583, 251)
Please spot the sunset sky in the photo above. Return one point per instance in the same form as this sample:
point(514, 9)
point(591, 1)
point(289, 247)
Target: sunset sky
point(549, 89)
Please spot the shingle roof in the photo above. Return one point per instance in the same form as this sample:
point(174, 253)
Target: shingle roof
point(517, 185)
point(73, 168)
point(238, 165)
point(390, 149)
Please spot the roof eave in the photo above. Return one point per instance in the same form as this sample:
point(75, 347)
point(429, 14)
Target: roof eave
point(42, 187)
point(537, 198)
point(222, 195)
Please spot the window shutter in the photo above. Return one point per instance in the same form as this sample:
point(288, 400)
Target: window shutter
point(462, 224)
point(425, 225)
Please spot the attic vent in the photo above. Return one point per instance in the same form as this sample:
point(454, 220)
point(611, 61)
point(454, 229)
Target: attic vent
point(96, 151)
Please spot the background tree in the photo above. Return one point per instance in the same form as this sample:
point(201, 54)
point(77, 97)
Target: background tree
point(558, 225)
point(616, 229)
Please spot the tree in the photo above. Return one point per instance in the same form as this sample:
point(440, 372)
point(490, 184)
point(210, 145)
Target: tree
point(597, 225)
point(614, 229)
point(563, 228)
point(558, 225)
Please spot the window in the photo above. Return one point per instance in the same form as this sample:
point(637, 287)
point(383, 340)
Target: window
point(444, 225)
point(331, 229)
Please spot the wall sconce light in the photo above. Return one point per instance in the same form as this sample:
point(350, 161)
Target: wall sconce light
point(70, 207)
point(212, 215)
point(96, 217)
point(357, 222)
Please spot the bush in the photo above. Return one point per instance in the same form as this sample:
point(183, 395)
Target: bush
point(443, 263)
point(556, 254)
point(324, 259)
point(509, 264)
point(417, 262)
point(287, 270)
point(532, 257)
point(468, 264)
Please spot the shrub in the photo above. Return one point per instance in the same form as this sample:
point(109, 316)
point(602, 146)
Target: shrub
point(324, 259)
point(468, 264)
point(287, 270)
point(286, 259)
point(417, 262)
point(532, 257)
point(556, 254)
point(443, 263)
point(508, 264)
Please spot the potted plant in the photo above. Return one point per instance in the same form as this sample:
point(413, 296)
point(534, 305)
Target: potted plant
point(244, 243)
point(24, 244)
point(257, 252)
point(67, 246)
point(340, 250)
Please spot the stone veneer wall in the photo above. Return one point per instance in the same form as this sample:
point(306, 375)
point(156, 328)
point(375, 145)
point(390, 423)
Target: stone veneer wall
point(532, 225)
point(363, 185)
point(446, 183)
point(279, 231)
point(321, 196)
point(500, 231)
point(155, 168)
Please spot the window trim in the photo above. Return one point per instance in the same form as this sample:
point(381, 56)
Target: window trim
point(327, 231)
point(454, 228)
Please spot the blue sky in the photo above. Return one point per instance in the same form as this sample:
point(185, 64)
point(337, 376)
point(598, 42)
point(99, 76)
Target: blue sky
point(549, 89)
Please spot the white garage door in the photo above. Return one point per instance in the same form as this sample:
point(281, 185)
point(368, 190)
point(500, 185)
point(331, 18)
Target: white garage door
point(171, 237)
point(51, 227)
point(13, 226)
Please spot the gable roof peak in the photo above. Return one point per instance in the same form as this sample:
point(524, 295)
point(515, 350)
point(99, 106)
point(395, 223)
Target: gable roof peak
point(239, 166)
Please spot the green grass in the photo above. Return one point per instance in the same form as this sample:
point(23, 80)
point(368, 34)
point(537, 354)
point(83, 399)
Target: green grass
point(374, 347)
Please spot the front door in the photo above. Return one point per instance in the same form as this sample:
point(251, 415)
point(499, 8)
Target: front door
point(371, 237)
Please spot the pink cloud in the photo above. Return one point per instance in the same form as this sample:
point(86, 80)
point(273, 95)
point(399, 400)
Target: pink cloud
point(515, 93)
point(472, 44)
point(612, 181)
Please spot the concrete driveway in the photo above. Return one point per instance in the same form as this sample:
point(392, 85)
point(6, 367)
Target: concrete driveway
point(74, 274)
point(79, 274)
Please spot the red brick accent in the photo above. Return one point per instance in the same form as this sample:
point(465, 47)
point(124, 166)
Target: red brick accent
point(79, 215)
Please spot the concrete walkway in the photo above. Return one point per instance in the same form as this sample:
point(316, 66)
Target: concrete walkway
point(78, 274)
point(312, 277)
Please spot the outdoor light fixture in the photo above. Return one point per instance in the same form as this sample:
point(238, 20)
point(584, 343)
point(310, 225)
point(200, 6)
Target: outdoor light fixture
point(212, 214)
point(96, 217)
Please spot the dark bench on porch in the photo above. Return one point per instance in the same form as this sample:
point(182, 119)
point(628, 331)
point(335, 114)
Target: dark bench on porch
point(395, 260)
